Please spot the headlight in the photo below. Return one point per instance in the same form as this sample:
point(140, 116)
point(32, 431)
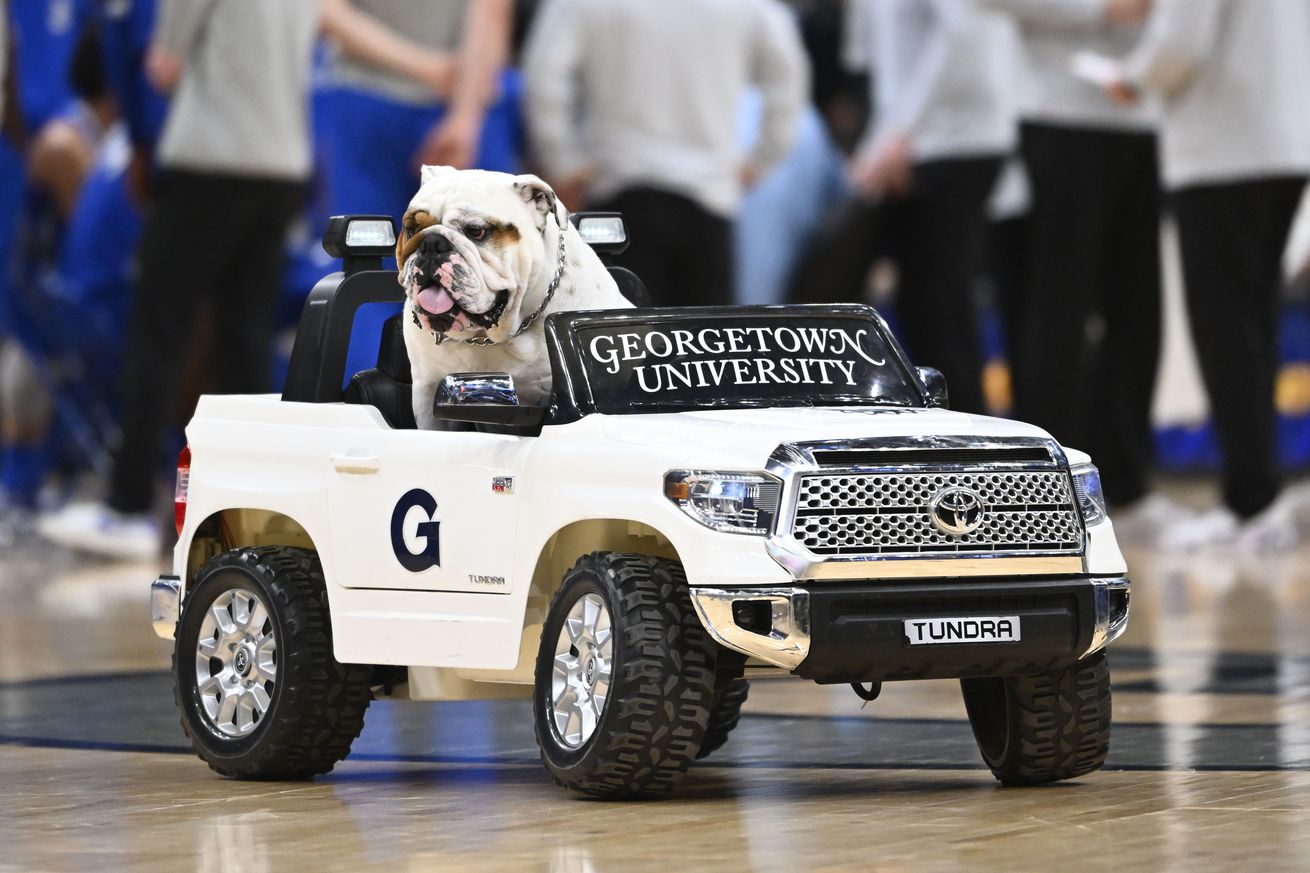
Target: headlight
point(1087, 487)
point(729, 502)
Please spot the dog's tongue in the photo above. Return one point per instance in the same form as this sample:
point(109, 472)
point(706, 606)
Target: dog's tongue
point(435, 300)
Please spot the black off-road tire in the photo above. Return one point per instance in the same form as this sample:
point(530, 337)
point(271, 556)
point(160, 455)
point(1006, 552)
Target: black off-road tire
point(725, 713)
point(661, 686)
point(1033, 730)
point(317, 705)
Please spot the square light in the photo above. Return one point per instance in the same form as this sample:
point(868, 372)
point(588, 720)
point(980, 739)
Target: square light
point(370, 233)
point(602, 229)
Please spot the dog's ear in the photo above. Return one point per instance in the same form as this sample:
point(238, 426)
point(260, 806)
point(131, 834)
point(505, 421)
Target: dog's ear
point(432, 171)
point(541, 198)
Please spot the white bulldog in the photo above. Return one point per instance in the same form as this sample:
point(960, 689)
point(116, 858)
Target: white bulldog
point(484, 257)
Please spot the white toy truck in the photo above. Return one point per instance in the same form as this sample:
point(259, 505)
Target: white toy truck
point(711, 495)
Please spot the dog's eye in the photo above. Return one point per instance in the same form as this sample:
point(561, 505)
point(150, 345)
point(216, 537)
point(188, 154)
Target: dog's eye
point(477, 233)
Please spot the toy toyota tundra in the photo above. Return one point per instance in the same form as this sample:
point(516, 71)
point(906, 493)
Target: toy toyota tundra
point(710, 495)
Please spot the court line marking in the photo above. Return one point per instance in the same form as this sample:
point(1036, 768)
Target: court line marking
point(506, 761)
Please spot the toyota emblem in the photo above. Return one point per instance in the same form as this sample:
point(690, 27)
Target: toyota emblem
point(956, 511)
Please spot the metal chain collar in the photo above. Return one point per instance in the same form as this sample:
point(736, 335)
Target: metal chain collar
point(527, 322)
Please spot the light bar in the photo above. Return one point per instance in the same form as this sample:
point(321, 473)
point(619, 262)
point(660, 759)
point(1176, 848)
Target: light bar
point(370, 232)
point(360, 238)
point(608, 229)
point(603, 231)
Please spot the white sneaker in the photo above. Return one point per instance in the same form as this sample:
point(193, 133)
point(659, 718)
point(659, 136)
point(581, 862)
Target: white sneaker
point(95, 528)
point(1215, 527)
point(1273, 531)
point(1145, 520)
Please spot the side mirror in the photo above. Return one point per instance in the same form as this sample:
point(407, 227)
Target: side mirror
point(484, 398)
point(935, 382)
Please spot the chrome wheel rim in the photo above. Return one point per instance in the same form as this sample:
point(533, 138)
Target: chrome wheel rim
point(580, 680)
point(236, 662)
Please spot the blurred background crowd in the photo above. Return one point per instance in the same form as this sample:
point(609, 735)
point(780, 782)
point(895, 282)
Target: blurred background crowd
point(1084, 212)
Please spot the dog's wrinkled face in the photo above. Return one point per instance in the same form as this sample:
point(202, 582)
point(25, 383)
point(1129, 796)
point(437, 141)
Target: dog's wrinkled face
point(470, 244)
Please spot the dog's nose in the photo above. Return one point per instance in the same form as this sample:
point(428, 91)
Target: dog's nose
point(435, 244)
point(433, 251)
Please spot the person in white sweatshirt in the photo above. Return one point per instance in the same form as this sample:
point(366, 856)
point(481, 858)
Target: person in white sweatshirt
point(1235, 75)
point(632, 106)
point(944, 120)
point(1093, 245)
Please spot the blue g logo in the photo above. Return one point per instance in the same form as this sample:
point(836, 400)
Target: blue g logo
point(428, 531)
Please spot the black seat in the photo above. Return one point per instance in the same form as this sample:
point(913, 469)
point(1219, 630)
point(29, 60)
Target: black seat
point(388, 386)
point(631, 287)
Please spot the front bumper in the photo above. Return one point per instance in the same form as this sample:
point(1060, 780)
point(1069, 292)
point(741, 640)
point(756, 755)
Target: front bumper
point(856, 632)
point(165, 603)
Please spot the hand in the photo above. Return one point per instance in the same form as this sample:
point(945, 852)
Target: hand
point(572, 190)
point(884, 169)
point(438, 71)
point(140, 177)
point(1122, 92)
point(1126, 13)
point(748, 175)
point(453, 142)
point(163, 69)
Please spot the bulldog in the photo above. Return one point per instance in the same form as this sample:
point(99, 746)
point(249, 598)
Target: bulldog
point(484, 257)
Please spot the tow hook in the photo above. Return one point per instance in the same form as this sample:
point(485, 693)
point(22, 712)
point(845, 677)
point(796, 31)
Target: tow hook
point(869, 693)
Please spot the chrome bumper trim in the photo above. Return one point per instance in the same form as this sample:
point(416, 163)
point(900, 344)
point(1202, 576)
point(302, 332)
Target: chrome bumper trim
point(785, 645)
point(165, 604)
point(1106, 630)
point(806, 568)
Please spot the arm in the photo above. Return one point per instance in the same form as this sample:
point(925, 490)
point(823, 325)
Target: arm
point(905, 116)
point(362, 36)
point(483, 52)
point(552, 61)
point(179, 25)
point(1069, 15)
point(11, 120)
point(1179, 36)
point(176, 32)
point(782, 74)
point(857, 36)
point(883, 163)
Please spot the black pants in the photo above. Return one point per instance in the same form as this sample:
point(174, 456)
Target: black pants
point(680, 250)
point(1232, 238)
point(1094, 258)
point(936, 236)
point(208, 239)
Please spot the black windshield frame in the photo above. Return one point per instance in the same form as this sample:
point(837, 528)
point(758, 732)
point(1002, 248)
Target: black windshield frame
point(573, 396)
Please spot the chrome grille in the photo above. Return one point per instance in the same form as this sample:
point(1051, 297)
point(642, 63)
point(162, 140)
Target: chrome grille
point(1025, 512)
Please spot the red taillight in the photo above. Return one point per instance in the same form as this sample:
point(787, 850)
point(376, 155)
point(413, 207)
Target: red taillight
point(183, 483)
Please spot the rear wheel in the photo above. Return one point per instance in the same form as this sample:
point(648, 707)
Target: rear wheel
point(1032, 730)
point(260, 694)
point(624, 678)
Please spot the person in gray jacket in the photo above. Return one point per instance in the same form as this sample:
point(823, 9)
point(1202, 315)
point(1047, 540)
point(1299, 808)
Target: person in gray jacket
point(1235, 75)
point(234, 159)
point(1093, 244)
point(632, 106)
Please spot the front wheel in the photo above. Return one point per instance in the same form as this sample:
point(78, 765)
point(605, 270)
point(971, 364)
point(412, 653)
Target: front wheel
point(730, 692)
point(260, 694)
point(1032, 730)
point(624, 678)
